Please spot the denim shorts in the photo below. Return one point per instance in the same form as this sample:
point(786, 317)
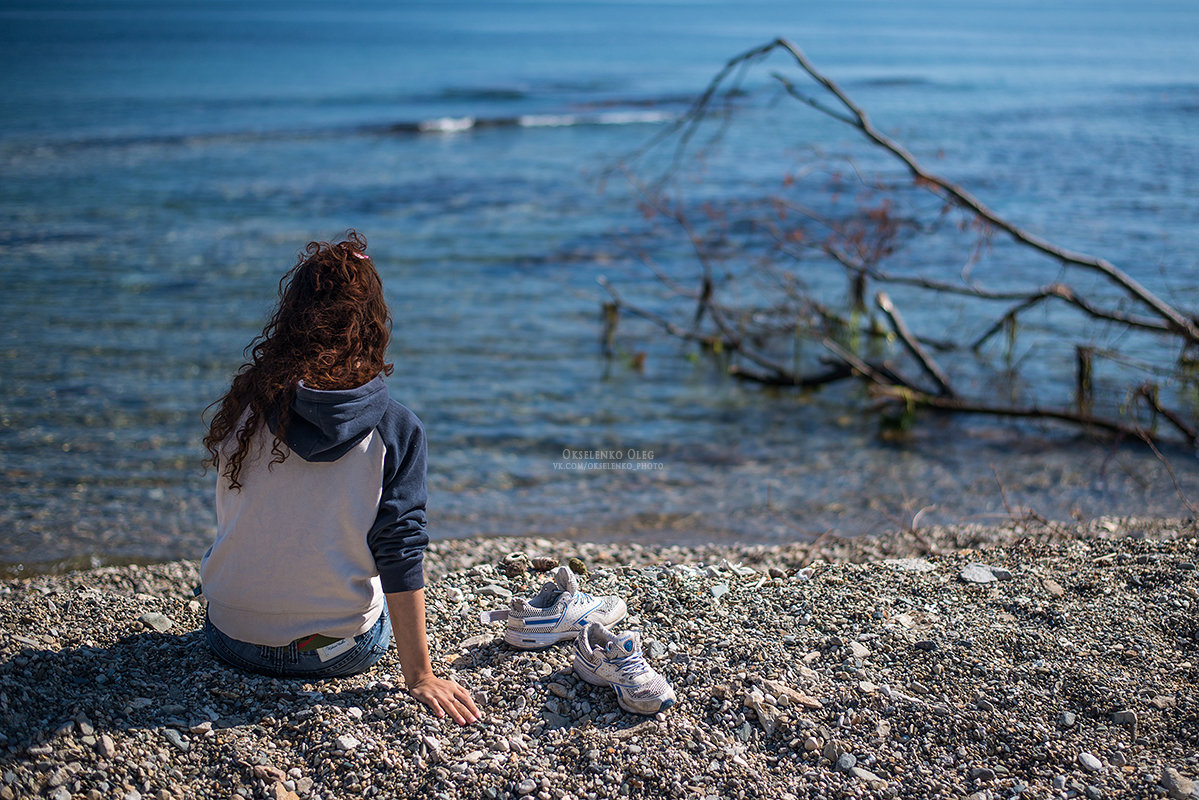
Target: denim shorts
point(289, 661)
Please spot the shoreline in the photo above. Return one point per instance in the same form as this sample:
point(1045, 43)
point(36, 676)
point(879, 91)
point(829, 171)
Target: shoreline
point(840, 668)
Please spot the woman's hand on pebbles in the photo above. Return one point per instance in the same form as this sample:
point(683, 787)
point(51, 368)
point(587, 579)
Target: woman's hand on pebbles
point(446, 697)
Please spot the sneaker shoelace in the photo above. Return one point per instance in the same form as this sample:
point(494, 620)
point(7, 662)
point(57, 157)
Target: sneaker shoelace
point(630, 666)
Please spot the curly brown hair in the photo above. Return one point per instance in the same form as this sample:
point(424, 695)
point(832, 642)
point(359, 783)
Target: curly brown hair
point(330, 330)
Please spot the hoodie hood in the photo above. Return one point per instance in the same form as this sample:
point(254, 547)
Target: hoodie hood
point(325, 425)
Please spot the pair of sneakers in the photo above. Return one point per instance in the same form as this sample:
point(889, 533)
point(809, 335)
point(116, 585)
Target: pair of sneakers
point(560, 611)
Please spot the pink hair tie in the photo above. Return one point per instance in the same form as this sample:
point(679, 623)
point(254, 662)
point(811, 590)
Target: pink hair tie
point(363, 256)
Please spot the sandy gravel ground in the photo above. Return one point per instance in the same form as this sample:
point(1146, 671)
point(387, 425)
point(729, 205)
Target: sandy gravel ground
point(1026, 661)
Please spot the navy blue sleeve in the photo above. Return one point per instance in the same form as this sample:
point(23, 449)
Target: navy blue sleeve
point(397, 540)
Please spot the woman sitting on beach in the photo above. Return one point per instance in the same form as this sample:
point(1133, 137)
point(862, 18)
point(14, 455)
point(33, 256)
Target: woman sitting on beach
point(321, 492)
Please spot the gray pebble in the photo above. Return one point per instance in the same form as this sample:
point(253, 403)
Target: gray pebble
point(105, 746)
point(977, 573)
point(173, 736)
point(1176, 785)
point(1089, 762)
point(846, 762)
point(156, 621)
point(495, 590)
point(1126, 717)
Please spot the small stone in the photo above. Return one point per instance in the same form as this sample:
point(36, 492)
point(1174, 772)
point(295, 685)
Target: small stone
point(105, 747)
point(543, 563)
point(1053, 587)
point(811, 743)
point(558, 690)
point(527, 786)
point(577, 566)
point(832, 751)
point(1176, 785)
point(977, 573)
point(158, 622)
point(176, 739)
point(61, 793)
point(1118, 759)
point(865, 776)
point(928, 645)
point(846, 762)
point(777, 573)
point(501, 745)
point(269, 773)
point(1089, 762)
point(859, 650)
point(719, 590)
point(1093, 793)
point(495, 590)
point(515, 564)
point(1067, 719)
point(984, 774)
point(280, 792)
point(1163, 701)
point(1125, 717)
point(346, 742)
point(201, 729)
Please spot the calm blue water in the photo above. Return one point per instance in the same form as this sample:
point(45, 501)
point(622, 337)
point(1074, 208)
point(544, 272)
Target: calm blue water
point(163, 162)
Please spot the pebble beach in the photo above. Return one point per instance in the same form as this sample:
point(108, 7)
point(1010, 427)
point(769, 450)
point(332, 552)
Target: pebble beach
point(1028, 660)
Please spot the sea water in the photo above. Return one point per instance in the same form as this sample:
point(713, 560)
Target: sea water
point(163, 162)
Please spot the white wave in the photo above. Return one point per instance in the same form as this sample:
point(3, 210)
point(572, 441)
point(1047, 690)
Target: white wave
point(548, 120)
point(446, 125)
point(633, 117)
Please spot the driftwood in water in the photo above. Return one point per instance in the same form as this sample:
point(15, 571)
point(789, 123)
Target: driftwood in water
point(750, 337)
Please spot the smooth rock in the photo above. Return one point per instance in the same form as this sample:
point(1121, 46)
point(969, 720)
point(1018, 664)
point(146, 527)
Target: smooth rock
point(527, 786)
point(1089, 762)
point(719, 590)
point(1067, 719)
point(1176, 784)
point(859, 650)
point(346, 742)
point(1053, 587)
point(846, 762)
point(865, 775)
point(1125, 717)
point(105, 746)
point(977, 573)
point(494, 590)
point(176, 739)
point(156, 621)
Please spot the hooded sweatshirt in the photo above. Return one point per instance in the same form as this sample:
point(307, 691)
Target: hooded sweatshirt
point(309, 546)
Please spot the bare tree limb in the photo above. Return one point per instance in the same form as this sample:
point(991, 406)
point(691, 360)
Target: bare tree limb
point(961, 197)
point(901, 330)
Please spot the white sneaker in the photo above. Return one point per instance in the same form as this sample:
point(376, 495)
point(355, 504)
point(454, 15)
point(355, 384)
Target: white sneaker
point(558, 612)
point(605, 659)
